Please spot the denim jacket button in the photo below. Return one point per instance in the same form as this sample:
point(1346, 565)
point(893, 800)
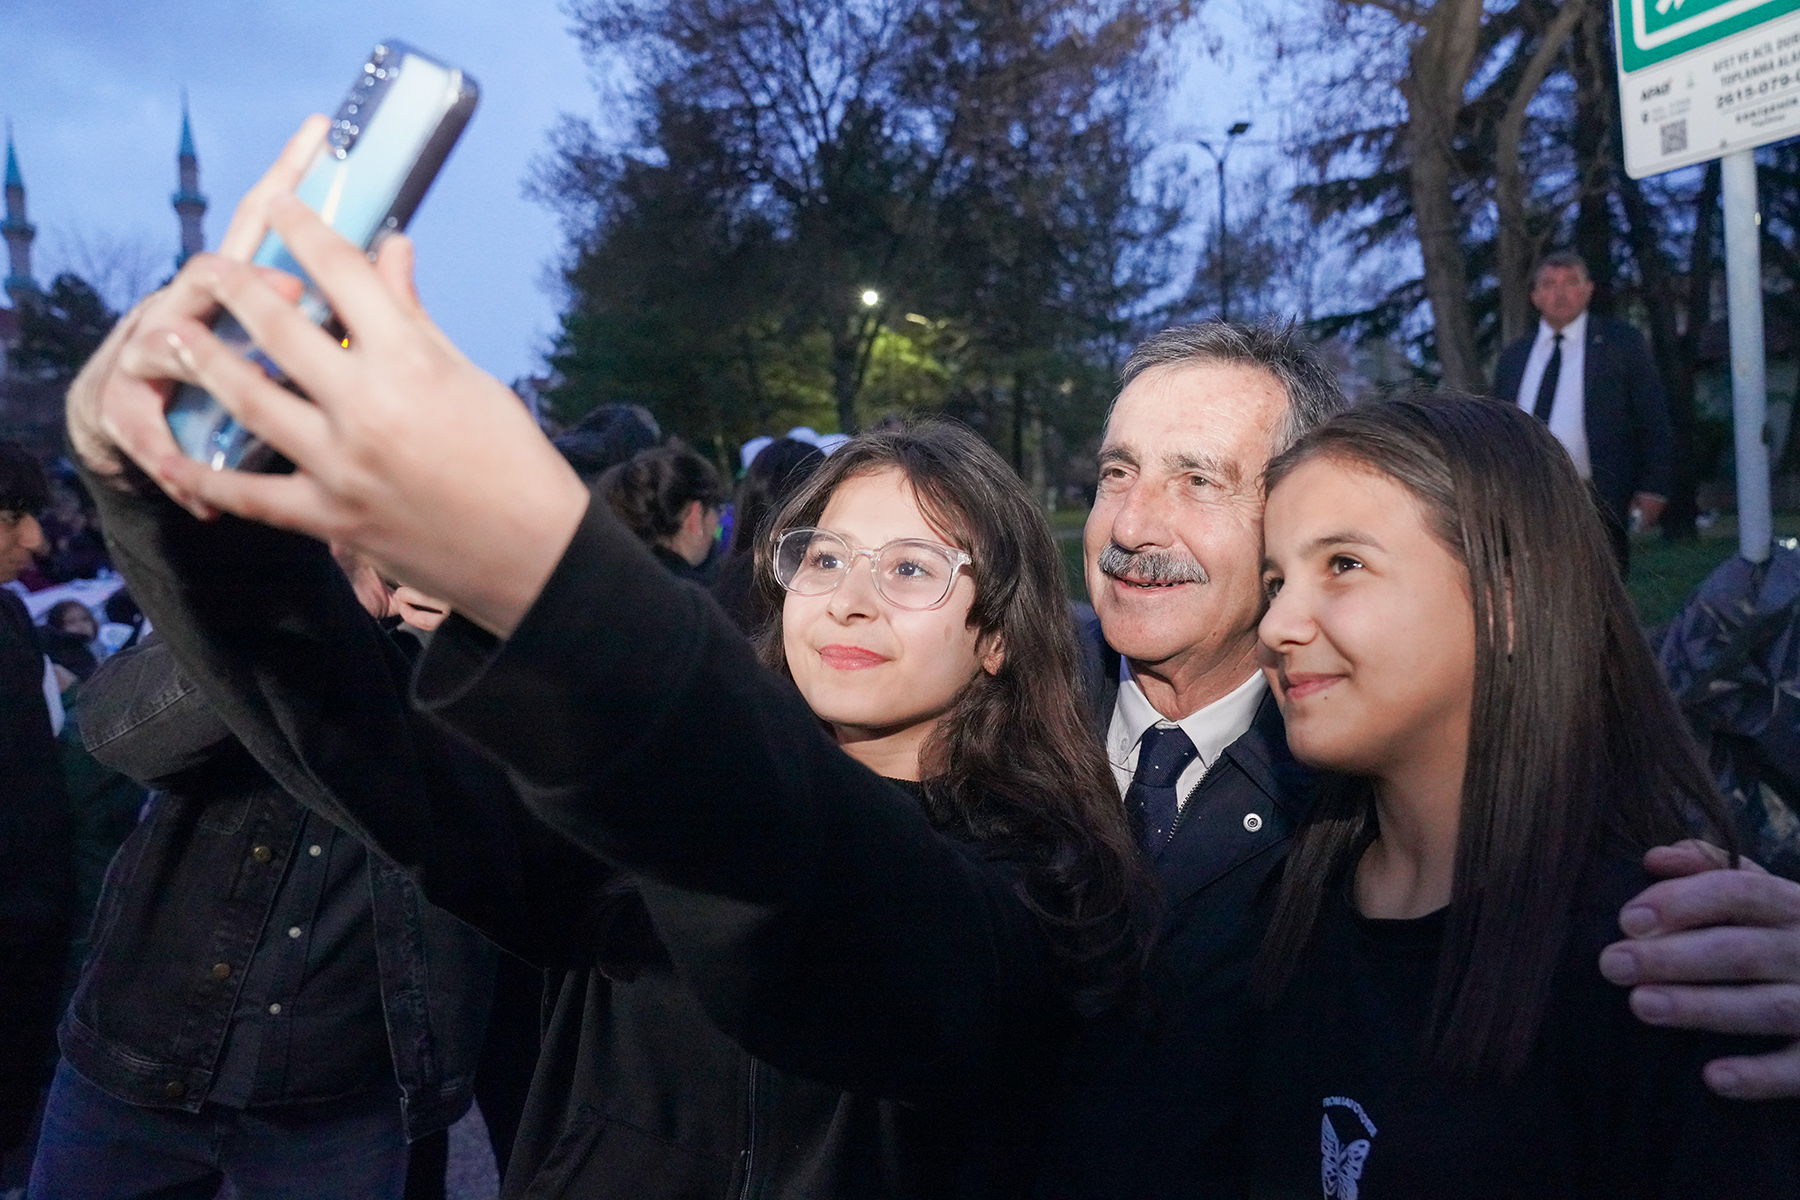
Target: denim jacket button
point(221, 971)
point(175, 1089)
point(262, 854)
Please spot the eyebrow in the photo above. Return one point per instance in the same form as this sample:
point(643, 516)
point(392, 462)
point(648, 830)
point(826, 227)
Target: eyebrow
point(1348, 537)
point(1221, 469)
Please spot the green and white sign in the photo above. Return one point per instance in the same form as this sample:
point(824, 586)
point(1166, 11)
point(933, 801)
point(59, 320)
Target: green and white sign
point(1654, 30)
point(1701, 78)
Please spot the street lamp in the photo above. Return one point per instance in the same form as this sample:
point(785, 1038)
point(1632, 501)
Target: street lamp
point(1219, 157)
point(870, 297)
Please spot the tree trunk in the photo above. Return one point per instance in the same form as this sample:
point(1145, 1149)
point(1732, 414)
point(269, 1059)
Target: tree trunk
point(852, 347)
point(1439, 65)
point(1596, 153)
point(846, 379)
point(1517, 249)
point(1667, 347)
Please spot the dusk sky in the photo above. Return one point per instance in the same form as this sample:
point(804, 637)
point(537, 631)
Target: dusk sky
point(93, 91)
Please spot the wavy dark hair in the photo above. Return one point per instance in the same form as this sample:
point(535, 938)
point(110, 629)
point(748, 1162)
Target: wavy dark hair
point(24, 488)
point(652, 488)
point(1575, 744)
point(777, 470)
point(1013, 766)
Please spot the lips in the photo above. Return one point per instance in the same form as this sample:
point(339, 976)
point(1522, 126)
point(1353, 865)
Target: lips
point(1302, 685)
point(1146, 585)
point(850, 658)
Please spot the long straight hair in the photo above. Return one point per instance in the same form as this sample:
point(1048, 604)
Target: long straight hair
point(1575, 744)
point(1013, 765)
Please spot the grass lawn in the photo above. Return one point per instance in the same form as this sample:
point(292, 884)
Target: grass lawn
point(1663, 573)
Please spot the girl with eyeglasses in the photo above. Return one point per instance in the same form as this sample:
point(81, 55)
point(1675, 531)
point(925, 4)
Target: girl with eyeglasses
point(1453, 650)
point(821, 935)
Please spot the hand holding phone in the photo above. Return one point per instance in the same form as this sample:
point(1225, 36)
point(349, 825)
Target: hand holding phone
point(387, 141)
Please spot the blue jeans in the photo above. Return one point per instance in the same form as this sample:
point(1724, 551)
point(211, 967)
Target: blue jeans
point(96, 1147)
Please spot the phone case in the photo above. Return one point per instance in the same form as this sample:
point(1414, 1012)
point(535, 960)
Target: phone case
point(387, 142)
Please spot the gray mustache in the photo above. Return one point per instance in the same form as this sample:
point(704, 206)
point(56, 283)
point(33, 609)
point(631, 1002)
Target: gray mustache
point(1150, 566)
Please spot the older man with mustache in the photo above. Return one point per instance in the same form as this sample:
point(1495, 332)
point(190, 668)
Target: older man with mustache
point(1174, 554)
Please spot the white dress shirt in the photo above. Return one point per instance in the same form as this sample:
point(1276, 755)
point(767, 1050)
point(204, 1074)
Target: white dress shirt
point(1568, 416)
point(1211, 729)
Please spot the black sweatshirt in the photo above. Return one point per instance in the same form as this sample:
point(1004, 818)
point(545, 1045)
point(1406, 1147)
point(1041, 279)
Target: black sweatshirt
point(681, 845)
point(1606, 1106)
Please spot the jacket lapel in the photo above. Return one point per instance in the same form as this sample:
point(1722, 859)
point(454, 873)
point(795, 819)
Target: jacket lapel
point(1248, 804)
point(1593, 355)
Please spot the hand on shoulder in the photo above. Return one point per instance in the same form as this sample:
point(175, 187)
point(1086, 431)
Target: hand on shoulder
point(1716, 949)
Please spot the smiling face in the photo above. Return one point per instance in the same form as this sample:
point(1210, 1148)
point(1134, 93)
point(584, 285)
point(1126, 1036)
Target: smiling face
point(1175, 535)
point(879, 675)
point(1369, 638)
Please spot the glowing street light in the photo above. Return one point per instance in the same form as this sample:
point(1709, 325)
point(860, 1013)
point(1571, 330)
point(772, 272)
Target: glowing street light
point(870, 297)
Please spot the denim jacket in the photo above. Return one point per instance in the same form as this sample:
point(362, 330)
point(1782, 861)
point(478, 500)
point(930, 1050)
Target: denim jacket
point(186, 899)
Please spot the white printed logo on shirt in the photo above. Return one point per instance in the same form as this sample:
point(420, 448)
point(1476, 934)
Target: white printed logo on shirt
point(1341, 1165)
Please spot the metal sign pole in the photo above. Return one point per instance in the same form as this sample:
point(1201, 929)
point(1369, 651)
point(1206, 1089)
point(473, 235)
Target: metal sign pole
point(1749, 397)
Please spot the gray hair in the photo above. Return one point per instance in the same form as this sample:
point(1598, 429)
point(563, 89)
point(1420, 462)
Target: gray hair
point(1566, 260)
point(1313, 393)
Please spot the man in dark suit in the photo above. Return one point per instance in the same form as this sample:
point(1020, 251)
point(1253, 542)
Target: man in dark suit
point(1174, 550)
point(1593, 381)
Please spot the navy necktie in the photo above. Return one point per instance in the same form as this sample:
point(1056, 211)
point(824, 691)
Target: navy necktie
point(1152, 801)
point(1546, 397)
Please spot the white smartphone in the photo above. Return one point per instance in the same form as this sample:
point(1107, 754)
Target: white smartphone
point(389, 138)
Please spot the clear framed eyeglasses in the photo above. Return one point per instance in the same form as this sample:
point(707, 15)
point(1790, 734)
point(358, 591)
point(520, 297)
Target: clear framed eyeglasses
point(909, 572)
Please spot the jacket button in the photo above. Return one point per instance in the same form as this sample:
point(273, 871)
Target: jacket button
point(175, 1089)
point(1252, 822)
point(221, 971)
point(262, 854)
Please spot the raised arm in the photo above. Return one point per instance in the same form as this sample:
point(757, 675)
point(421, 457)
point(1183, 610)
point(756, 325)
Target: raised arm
point(825, 924)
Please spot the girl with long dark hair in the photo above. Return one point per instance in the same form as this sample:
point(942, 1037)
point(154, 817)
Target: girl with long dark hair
point(1453, 650)
point(822, 935)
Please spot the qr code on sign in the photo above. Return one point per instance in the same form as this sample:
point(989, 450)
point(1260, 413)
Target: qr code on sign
point(1674, 137)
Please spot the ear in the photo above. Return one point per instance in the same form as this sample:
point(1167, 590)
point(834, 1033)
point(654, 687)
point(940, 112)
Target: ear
point(693, 517)
point(993, 655)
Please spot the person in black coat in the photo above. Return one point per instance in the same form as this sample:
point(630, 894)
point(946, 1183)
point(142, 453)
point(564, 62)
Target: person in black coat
point(37, 865)
point(903, 959)
point(1593, 380)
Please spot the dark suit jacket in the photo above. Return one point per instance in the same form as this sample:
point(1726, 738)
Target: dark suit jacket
point(1147, 1101)
point(1625, 413)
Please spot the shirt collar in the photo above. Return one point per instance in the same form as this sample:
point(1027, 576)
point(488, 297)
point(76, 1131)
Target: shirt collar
point(1211, 729)
point(1574, 331)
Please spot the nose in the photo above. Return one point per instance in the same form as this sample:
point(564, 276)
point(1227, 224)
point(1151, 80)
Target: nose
point(1139, 520)
point(855, 595)
point(31, 534)
point(1287, 622)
